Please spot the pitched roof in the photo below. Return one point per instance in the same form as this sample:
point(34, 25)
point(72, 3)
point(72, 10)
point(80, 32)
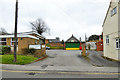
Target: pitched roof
point(72, 37)
point(109, 9)
point(106, 14)
point(53, 40)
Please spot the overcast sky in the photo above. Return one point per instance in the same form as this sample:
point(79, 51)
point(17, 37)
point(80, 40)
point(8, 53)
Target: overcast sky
point(64, 17)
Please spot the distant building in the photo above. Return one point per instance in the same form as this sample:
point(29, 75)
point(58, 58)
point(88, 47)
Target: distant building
point(54, 42)
point(95, 42)
point(91, 46)
point(72, 44)
point(99, 44)
point(111, 31)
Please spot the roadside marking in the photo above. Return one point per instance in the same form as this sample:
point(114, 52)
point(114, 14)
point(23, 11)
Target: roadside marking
point(23, 71)
point(45, 72)
point(72, 49)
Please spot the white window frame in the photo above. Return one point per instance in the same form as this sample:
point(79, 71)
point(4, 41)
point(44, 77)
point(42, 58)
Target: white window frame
point(13, 41)
point(113, 11)
point(107, 39)
point(3, 41)
point(118, 43)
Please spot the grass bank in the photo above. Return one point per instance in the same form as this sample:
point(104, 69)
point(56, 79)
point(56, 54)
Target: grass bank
point(21, 59)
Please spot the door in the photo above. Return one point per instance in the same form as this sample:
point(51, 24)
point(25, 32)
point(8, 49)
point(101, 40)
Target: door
point(72, 46)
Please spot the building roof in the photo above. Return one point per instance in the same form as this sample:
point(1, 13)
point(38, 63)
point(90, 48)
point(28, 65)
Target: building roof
point(108, 10)
point(33, 32)
point(53, 40)
point(106, 14)
point(73, 38)
point(18, 35)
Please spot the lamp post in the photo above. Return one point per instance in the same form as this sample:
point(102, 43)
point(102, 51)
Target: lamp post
point(15, 33)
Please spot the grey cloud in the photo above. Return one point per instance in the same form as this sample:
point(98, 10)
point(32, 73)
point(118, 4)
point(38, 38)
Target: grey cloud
point(63, 17)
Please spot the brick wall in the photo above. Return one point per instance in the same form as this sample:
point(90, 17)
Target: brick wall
point(40, 53)
point(46, 41)
point(99, 46)
point(58, 44)
point(22, 43)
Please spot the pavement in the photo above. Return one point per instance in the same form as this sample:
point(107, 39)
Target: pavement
point(61, 60)
point(96, 59)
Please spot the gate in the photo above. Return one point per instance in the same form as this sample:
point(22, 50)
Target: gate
point(72, 46)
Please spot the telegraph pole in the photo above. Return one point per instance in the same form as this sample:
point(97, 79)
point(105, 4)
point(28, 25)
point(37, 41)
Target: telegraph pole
point(15, 33)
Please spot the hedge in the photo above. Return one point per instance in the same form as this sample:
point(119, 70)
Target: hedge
point(4, 50)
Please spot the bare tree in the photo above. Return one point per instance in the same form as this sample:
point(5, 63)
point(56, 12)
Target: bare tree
point(3, 31)
point(39, 26)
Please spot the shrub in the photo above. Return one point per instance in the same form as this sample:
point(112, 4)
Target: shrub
point(5, 50)
point(27, 51)
point(32, 51)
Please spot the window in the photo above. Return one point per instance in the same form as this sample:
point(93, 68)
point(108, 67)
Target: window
point(107, 39)
point(50, 41)
point(114, 11)
point(118, 43)
point(2, 41)
point(13, 41)
point(72, 41)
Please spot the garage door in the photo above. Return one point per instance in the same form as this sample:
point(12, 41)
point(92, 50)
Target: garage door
point(72, 46)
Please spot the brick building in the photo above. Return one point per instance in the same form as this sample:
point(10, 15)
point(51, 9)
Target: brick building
point(54, 42)
point(72, 44)
point(24, 40)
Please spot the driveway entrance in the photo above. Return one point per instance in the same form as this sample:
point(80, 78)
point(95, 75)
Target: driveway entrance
point(62, 58)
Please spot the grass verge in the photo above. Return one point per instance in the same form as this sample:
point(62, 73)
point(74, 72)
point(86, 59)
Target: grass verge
point(21, 59)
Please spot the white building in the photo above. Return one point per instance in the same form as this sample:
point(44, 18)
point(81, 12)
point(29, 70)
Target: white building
point(111, 31)
point(91, 45)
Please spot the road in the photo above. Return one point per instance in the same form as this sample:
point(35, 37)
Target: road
point(54, 74)
point(76, 66)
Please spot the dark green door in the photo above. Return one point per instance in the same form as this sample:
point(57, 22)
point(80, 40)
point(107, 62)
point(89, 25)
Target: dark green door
point(72, 46)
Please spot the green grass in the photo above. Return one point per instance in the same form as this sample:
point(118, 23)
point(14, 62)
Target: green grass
point(21, 59)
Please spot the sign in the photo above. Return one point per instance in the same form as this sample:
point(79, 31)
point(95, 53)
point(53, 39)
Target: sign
point(43, 46)
point(35, 46)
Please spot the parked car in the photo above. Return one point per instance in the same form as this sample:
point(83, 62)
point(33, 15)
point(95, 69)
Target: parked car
point(48, 48)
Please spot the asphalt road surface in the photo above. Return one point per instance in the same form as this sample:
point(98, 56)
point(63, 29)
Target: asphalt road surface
point(96, 59)
point(65, 58)
point(62, 58)
point(46, 74)
point(74, 58)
